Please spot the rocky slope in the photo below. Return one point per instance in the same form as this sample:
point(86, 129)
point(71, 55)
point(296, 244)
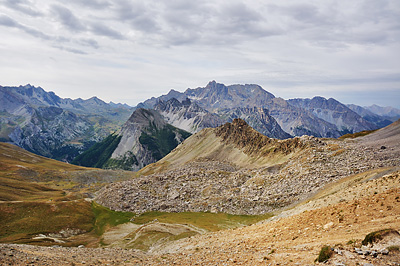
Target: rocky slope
point(145, 138)
point(48, 125)
point(187, 115)
point(191, 117)
point(235, 169)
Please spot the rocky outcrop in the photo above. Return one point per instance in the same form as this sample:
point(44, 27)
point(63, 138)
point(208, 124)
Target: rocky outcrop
point(258, 118)
point(250, 141)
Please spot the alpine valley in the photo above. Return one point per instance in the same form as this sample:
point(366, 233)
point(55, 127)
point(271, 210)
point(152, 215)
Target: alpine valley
point(216, 175)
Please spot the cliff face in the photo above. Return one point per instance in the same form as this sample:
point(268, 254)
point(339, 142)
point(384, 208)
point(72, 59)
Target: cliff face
point(48, 129)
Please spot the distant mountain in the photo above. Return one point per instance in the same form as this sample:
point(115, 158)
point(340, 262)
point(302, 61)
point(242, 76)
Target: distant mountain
point(145, 138)
point(384, 111)
point(187, 115)
point(334, 112)
point(216, 97)
point(43, 123)
point(366, 114)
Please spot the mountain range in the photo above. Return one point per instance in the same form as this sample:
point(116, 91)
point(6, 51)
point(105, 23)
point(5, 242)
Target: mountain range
point(107, 135)
point(318, 117)
point(43, 123)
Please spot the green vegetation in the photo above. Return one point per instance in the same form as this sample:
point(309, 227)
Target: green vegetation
point(99, 153)
point(393, 248)
point(161, 141)
point(205, 220)
point(356, 135)
point(105, 217)
point(124, 163)
point(15, 189)
point(325, 254)
point(376, 236)
point(20, 221)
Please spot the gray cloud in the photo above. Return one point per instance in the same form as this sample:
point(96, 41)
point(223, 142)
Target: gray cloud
point(67, 18)
point(89, 42)
point(141, 17)
point(23, 6)
point(103, 30)
point(70, 50)
point(9, 22)
point(97, 4)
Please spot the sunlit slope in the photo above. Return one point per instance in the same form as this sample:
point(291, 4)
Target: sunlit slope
point(22, 174)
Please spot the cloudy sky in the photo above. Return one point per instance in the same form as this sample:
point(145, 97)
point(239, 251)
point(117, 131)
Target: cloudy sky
point(128, 50)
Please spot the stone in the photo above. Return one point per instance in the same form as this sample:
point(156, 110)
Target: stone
point(328, 225)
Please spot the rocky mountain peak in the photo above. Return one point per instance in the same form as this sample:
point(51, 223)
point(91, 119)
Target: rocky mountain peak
point(250, 141)
point(186, 102)
point(145, 117)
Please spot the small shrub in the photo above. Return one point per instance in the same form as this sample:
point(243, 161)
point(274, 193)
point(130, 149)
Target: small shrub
point(325, 254)
point(375, 236)
point(351, 242)
point(394, 248)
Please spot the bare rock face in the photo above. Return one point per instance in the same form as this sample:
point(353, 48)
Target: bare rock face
point(187, 115)
point(227, 100)
point(334, 112)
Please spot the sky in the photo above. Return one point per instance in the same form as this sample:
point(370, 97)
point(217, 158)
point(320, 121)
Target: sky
point(128, 51)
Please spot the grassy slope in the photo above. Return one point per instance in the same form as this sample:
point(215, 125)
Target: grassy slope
point(33, 187)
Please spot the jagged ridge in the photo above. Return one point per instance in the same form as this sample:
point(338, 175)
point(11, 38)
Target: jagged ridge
point(252, 142)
